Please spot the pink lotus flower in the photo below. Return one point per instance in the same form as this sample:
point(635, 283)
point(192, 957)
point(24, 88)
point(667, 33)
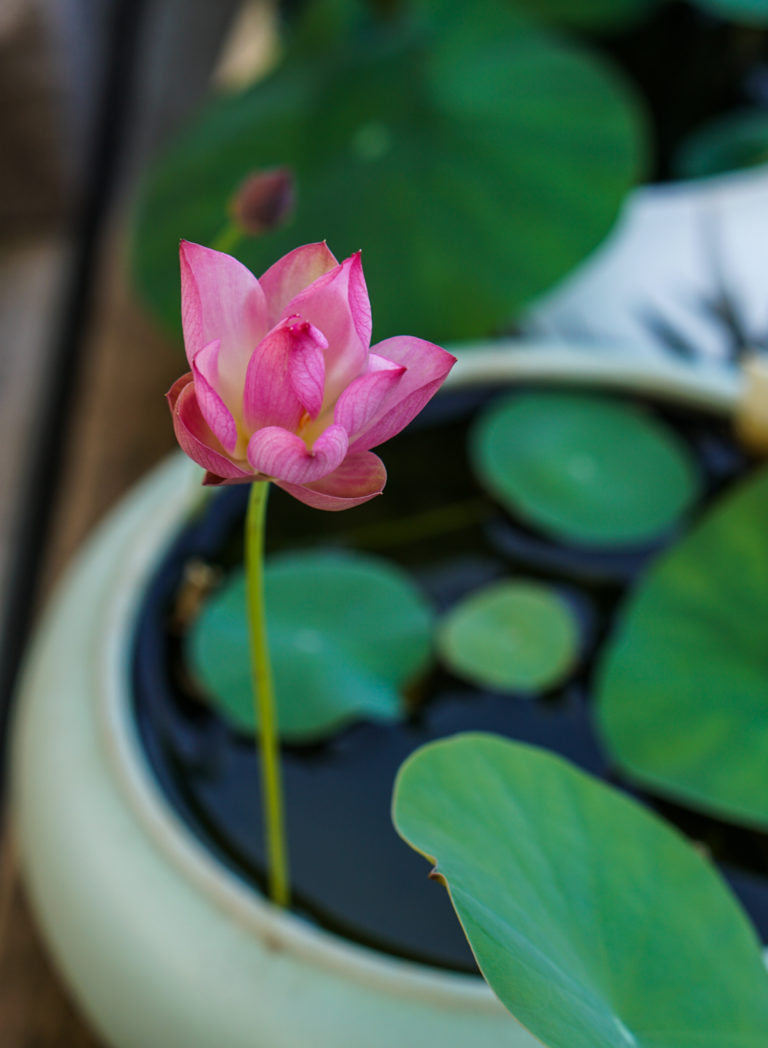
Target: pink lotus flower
point(284, 385)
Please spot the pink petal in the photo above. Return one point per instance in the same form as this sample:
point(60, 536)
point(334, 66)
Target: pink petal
point(221, 299)
point(285, 376)
point(426, 368)
point(359, 478)
point(362, 399)
point(205, 368)
point(306, 371)
point(338, 305)
point(194, 435)
point(291, 274)
point(285, 456)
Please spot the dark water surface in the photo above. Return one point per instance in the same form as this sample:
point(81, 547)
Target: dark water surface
point(351, 873)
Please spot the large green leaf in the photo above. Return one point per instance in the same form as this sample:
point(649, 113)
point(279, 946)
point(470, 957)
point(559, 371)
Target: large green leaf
point(439, 146)
point(346, 633)
point(683, 689)
point(583, 467)
point(514, 635)
point(594, 922)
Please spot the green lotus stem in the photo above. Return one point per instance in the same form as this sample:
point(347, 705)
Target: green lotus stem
point(264, 699)
point(228, 238)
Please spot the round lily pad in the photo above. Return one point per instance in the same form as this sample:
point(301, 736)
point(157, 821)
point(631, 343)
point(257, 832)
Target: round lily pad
point(683, 689)
point(584, 468)
point(511, 636)
point(346, 633)
point(593, 921)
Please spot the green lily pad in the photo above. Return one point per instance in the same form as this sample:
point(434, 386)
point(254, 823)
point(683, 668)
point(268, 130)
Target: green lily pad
point(511, 636)
point(346, 633)
point(738, 140)
point(437, 144)
point(584, 468)
point(595, 923)
point(683, 688)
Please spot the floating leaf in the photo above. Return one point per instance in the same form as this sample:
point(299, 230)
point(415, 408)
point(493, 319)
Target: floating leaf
point(439, 147)
point(595, 924)
point(584, 468)
point(683, 689)
point(735, 141)
point(511, 636)
point(346, 633)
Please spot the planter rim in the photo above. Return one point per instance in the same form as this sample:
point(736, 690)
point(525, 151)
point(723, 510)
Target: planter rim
point(711, 385)
point(175, 487)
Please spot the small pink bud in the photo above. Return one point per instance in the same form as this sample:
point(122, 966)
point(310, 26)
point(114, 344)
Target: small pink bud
point(264, 201)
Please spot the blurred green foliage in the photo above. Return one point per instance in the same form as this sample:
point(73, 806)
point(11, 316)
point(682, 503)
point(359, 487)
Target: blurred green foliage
point(737, 140)
point(751, 12)
point(596, 14)
point(474, 156)
point(690, 650)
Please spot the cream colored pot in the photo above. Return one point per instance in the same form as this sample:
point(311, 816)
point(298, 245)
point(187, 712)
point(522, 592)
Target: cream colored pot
point(162, 946)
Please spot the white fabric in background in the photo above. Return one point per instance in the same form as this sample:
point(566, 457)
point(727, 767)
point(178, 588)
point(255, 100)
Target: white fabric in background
point(674, 249)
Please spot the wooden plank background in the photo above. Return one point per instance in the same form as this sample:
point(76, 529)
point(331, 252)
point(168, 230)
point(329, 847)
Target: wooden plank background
point(121, 429)
point(117, 423)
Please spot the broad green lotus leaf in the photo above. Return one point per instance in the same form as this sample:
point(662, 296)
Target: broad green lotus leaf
point(584, 468)
point(751, 12)
point(594, 922)
point(515, 635)
point(346, 633)
point(683, 688)
point(737, 140)
point(439, 148)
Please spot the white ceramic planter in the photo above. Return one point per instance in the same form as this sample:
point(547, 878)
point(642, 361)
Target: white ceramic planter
point(162, 946)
